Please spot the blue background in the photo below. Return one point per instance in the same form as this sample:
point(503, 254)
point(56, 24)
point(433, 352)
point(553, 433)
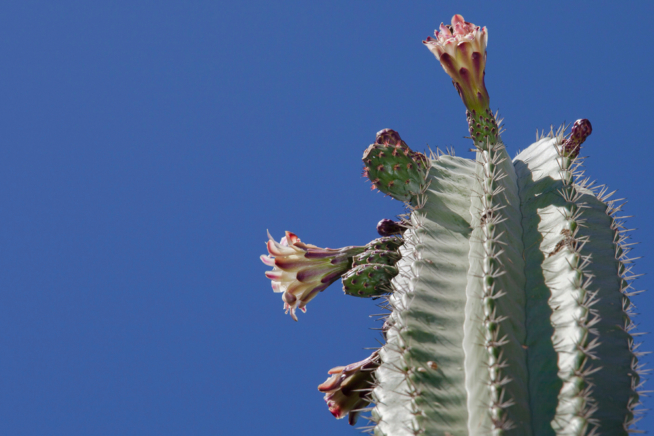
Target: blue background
point(148, 145)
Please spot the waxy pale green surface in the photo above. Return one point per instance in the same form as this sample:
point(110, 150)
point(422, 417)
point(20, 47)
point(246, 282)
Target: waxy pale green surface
point(567, 364)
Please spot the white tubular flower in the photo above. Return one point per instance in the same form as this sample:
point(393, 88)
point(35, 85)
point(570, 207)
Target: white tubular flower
point(300, 271)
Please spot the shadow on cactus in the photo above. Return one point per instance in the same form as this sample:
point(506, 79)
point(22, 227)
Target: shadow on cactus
point(508, 283)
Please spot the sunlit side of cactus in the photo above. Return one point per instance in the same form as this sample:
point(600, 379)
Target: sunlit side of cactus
point(508, 283)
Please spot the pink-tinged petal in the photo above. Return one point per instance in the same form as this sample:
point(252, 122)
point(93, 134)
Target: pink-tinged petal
point(274, 275)
point(291, 238)
point(333, 382)
point(444, 32)
point(276, 286)
point(270, 261)
point(280, 275)
point(303, 309)
point(276, 249)
point(336, 369)
point(458, 24)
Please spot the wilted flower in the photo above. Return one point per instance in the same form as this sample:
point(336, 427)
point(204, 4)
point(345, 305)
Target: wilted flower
point(346, 391)
point(580, 131)
point(461, 50)
point(301, 271)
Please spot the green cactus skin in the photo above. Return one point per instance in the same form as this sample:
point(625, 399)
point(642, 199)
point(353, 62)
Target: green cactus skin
point(510, 314)
point(382, 257)
point(387, 243)
point(394, 169)
point(369, 280)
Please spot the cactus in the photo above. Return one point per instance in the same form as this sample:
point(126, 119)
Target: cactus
point(509, 288)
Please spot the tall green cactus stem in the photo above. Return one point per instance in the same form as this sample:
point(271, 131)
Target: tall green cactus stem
point(496, 299)
point(583, 281)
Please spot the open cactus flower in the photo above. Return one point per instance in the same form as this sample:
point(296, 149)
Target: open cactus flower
point(346, 391)
point(461, 50)
point(300, 271)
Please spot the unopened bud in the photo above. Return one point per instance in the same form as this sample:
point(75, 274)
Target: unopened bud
point(388, 137)
point(581, 129)
point(388, 227)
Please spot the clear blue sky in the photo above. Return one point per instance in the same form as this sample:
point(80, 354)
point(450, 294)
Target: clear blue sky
point(148, 145)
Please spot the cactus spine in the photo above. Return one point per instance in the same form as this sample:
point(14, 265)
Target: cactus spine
point(508, 290)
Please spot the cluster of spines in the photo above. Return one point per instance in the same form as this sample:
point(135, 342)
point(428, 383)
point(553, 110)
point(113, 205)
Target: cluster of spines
point(393, 168)
point(398, 303)
point(576, 392)
point(491, 268)
point(483, 126)
point(626, 277)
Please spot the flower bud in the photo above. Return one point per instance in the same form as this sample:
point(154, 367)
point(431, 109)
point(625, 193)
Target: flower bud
point(388, 227)
point(581, 129)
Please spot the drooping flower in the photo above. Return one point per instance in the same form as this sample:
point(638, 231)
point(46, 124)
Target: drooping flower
point(346, 391)
point(580, 131)
point(300, 271)
point(461, 50)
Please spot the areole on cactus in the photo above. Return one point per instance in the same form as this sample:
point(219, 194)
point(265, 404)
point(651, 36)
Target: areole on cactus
point(508, 283)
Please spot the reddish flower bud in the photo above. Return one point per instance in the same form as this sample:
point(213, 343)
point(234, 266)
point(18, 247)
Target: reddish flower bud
point(581, 129)
point(388, 137)
point(388, 227)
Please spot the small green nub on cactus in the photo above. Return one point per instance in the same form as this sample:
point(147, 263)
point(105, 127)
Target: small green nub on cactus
point(388, 227)
point(369, 280)
point(482, 126)
point(381, 257)
point(581, 129)
point(346, 391)
point(388, 243)
point(393, 167)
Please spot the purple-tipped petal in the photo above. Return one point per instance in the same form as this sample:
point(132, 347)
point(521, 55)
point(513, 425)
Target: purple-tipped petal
point(301, 271)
